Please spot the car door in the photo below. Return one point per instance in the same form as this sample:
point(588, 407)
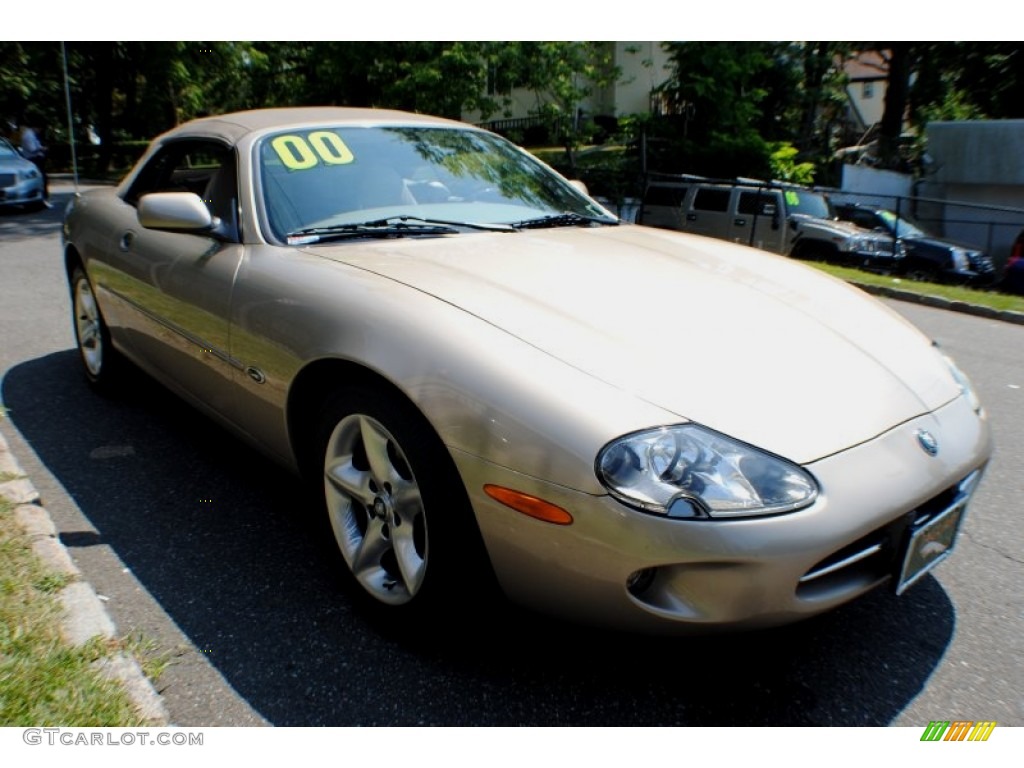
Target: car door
point(708, 212)
point(174, 288)
point(663, 206)
point(757, 220)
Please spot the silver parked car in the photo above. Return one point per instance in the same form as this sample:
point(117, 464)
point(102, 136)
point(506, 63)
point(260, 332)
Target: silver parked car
point(481, 369)
point(21, 183)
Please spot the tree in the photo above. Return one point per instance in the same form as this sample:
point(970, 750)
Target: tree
point(956, 81)
point(744, 106)
point(900, 58)
point(946, 81)
point(560, 76)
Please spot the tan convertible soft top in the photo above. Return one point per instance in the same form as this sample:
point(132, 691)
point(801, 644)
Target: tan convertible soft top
point(235, 125)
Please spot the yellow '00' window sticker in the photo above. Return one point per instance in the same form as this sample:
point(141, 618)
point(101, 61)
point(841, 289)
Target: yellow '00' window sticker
point(297, 153)
point(792, 198)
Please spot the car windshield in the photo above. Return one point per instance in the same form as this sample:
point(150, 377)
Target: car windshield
point(320, 180)
point(809, 203)
point(899, 226)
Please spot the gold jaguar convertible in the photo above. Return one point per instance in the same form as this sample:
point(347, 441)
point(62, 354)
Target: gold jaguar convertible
point(487, 376)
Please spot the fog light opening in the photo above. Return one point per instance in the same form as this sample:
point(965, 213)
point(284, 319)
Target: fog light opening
point(639, 581)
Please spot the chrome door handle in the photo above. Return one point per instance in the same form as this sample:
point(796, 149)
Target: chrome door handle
point(126, 241)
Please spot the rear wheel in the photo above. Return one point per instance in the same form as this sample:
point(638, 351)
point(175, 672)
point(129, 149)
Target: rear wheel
point(99, 360)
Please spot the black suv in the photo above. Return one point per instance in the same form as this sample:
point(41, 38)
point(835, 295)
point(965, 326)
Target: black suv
point(925, 257)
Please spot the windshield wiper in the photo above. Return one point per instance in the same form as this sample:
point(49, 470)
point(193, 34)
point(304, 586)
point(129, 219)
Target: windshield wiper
point(447, 223)
point(567, 219)
point(392, 226)
point(380, 228)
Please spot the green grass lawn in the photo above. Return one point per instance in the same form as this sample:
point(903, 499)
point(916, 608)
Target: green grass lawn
point(993, 299)
point(43, 680)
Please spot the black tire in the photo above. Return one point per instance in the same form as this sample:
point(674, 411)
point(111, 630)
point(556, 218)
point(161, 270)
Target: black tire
point(100, 361)
point(922, 274)
point(397, 507)
point(809, 250)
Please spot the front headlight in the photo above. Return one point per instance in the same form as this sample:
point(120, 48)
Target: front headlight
point(31, 173)
point(851, 244)
point(688, 471)
point(960, 261)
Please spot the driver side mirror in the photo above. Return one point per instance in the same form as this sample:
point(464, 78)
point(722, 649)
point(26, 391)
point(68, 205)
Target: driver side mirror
point(176, 211)
point(771, 210)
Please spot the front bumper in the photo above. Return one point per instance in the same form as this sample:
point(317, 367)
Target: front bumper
point(22, 193)
point(689, 575)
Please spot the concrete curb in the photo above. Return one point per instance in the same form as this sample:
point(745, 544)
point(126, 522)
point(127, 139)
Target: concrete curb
point(939, 302)
point(85, 616)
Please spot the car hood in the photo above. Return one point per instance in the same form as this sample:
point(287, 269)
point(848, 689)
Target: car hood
point(751, 344)
point(12, 164)
point(935, 243)
point(838, 228)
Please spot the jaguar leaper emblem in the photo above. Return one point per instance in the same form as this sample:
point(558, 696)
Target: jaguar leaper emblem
point(927, 442)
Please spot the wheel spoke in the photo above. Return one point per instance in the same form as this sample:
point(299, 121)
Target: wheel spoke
point(410, 562)
point(375, 442)
point(87, 332)
point(408, 502)
point(349, 481)
point(86, 302)
point(370, 550)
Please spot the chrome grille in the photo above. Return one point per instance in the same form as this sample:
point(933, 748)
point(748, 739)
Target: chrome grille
point(980, 263)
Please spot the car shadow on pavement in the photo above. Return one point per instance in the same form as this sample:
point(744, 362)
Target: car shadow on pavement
point(22, 223)
point(216, 534)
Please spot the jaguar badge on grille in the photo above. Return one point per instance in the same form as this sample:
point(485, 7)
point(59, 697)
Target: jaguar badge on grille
point(927, 442)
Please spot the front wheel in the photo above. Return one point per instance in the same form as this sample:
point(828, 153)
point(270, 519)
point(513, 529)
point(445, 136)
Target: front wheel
point(922, 274)
point(396, 505)
point(810, 250)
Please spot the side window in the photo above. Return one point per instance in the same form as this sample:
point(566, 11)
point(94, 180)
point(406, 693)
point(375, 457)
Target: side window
point(867, 220)
point(670, 196)
point(710, 199)
point(206, 168)
point(861, 218)
point(758, 203)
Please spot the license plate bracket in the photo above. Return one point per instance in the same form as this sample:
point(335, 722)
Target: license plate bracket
point(929, 544)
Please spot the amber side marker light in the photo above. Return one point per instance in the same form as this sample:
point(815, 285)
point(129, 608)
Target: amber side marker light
point(529, 505)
